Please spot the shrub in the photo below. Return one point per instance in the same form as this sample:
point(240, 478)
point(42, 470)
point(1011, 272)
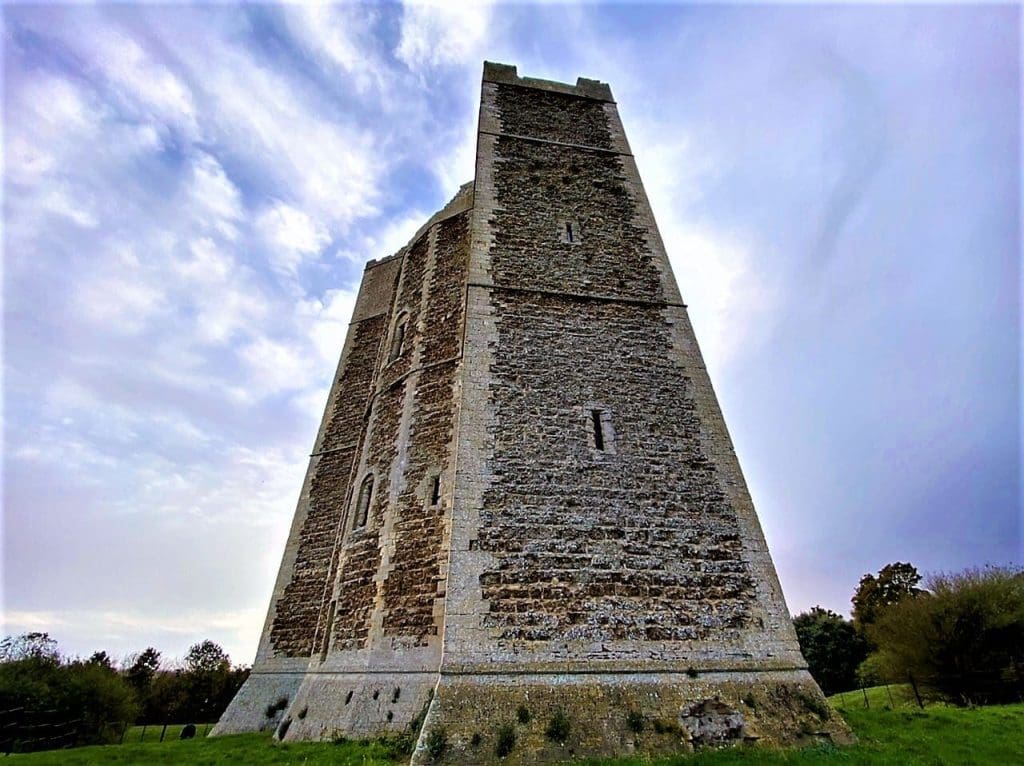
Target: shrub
point(437, 743)
point(62, 704)
point(661, 726)
point(635, 721)
point(523, 715)
point(558, 727)
point(832, 647)
point(814, 703)
point(475, 740)
point(275, 707)
point(962, 641)
point(506, 740)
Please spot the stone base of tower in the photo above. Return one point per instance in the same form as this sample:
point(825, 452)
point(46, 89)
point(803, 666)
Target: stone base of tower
point(260, 704)
point(357, 705)
point(548, 718)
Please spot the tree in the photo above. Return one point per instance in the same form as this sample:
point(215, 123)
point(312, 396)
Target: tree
point(29, 646)
point(102, 659)
point(894, 583)
point(53, 703)
point(832, 647)
point(140, 673)
point(963, 642)
point(208, 681)
point(207, 657)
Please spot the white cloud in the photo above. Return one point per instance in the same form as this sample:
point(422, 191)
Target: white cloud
point(147, 87)
point(118, 631)
point(439, 33)
point(218, 200)
point(59, 199)
point(327, 321)
point(292, 236)
point(325, 165)
point(712, 267)
point(337, 36)
point(275, 366)
point(118, 303)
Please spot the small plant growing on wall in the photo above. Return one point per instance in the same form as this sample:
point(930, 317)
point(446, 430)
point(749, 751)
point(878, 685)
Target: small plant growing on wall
point(635, 721)
point(523, 714)
point(506, 740)
point(275, 707)
point(662, 726)
point(283, 728)
point(475, 740)
point(558, 727)
point(437, 743)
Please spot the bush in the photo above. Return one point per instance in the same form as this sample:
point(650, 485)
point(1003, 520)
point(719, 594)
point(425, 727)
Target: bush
point(832, 647)
point(437, 743)
point(506, 740)
point(962, 641)
point(523, 715)
point(62, 704)
point(558, 727)
point(635, 721)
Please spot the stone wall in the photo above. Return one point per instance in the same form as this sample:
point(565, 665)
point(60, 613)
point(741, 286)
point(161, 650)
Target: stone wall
point(633, 542)
point(558, 523)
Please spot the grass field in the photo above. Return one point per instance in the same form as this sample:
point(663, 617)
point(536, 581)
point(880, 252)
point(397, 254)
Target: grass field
point(895, 733)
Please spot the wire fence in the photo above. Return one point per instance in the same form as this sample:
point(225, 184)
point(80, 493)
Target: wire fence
point(967, 690)
point(24, 730)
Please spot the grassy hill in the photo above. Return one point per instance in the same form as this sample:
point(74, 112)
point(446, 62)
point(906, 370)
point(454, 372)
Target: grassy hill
point(892, 730)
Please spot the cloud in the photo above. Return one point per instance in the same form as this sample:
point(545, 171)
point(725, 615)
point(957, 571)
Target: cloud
point(340, 38)
point(217, 200)
point(118, 631)
point(292, 236)
point(143, 87)
point(438, 34)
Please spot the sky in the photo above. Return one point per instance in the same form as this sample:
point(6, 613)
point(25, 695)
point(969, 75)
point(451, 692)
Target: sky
point(190, 193)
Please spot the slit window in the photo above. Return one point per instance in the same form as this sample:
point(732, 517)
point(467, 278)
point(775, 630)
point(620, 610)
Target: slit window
point(398, 338)
point(598, 426)
point(569, 232)
point(363, 503)
point(435, 490)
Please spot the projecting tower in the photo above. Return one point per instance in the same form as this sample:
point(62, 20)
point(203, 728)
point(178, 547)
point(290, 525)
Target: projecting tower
point(523, 524)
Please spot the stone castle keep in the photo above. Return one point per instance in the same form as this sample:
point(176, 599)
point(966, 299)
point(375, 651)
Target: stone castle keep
point(523, 523)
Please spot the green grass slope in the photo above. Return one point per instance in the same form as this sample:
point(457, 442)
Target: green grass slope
point(891, 733)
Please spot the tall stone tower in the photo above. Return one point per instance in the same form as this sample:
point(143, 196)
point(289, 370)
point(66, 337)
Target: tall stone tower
point(523, 523)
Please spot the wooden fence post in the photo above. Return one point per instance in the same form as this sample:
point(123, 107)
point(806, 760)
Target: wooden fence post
point(913, 686)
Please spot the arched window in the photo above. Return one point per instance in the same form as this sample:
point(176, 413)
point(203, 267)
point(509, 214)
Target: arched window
point(398, 337)
point(363, 502)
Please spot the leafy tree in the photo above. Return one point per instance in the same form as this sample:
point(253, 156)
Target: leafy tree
point(52, 703)
point(208, 681)
point(141, 671)
point(96, 695)
point(207, 657)
point(894, 583)
point(29, 646)
point(102, 659)
point(832, 648)
point(964, 642)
